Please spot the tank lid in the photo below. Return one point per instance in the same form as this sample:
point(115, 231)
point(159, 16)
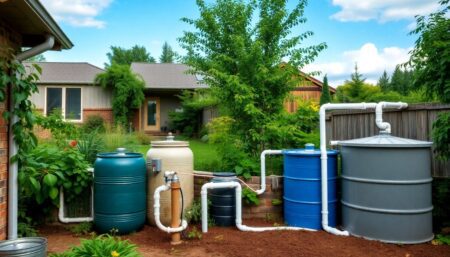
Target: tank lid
point(119, 154)
point(385, 140)
point(22, 245)
point(165, 143)
point(224, 174)
point(308, 151)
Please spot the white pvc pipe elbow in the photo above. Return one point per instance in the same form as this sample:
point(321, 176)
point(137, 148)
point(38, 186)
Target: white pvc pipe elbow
point(156, 206)
point(263, 168)
point(385, 126)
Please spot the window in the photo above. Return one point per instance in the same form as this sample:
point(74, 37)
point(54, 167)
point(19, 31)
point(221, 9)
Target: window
point(67, 99)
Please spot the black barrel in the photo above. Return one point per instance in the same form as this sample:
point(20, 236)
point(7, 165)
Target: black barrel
point(223, 200)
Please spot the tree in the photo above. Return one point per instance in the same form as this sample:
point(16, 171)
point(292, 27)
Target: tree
point(383, 82)
point(355, 84)
point(401, 81)
point(239, 48)
point(127, 89)
point(122, 56)
point(325, 97)
point(167, 55)
point(430, 59)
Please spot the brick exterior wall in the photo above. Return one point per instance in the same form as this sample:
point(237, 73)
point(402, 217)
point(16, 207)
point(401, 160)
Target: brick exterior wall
point(266, 209)
point(8, 40)
point(106, 114)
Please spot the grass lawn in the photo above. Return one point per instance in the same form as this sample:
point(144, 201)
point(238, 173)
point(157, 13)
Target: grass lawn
point(205, 155)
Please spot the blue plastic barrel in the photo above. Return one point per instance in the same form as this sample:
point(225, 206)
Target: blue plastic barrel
point(119, 192)
point(302, 187)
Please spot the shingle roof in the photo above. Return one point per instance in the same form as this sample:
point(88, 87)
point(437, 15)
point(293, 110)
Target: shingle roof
point(67, 72)
point(166, 76)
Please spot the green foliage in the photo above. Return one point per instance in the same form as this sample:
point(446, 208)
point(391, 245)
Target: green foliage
point(194, 233)
point(249, 196)
point(239, 48)
point(127, 88)
point(276, 202)
point(90, 144)
point(81, 229)
point(142, 138)
point(193, 213)
point(325, 97)
point(355, 85)
point(383, 82)
point(441, 198)
point(430, 57)
point(26, 225)
point(22, 85)
point(443, 239)
point(168, 55)
point(441, 135)
point(104, 246)
point(122, 56)
point(61, 130)
point(94, 122)
point(401, 81)
point(188, 120)
point(46, 169)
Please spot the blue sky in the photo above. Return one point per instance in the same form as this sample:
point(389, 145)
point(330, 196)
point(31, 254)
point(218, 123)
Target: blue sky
point(372, 33)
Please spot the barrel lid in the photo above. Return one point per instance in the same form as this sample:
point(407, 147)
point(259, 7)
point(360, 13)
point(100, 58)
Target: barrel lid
point(385, 140)
point(224, 174)
point(165, 143)
point(309, 150)
point(120, 153)
point(22, 244)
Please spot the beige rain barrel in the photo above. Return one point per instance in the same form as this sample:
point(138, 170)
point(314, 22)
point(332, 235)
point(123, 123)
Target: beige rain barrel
point(175, 156)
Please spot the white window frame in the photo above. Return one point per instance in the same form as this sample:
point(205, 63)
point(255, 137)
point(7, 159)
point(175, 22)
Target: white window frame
point(63, 102)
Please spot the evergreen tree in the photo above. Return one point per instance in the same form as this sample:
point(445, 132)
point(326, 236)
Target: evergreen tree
point(167, 55)
point(383, 82)
point(325, 97)
point(355, 84)
point(401, 81)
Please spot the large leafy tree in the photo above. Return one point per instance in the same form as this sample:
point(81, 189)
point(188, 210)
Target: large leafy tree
point(127, 88)
point(325, 97)
point(123, 56)
point(167, 55)
point(247, 54)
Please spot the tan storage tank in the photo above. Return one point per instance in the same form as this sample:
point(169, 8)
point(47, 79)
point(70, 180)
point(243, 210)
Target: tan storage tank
point(169, 155)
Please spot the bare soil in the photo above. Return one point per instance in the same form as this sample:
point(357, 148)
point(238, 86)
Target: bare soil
point(222, 242)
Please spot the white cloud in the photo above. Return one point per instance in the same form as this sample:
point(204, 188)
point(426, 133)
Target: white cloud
point(370, 60)
point(382, 10)
point(79, 13)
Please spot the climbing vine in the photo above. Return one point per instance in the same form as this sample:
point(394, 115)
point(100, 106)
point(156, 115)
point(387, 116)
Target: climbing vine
point(14, 76)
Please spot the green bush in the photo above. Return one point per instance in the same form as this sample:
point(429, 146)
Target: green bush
point(94, 122)
point(81, 229)
point(90, 144)
point(142, 138)
point(441, 135)
point(102, 246)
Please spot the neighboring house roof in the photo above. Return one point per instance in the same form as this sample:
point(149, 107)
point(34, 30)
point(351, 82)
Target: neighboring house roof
point(315, 82)
point(33, 22)
point(67, 72)
point(167, 76)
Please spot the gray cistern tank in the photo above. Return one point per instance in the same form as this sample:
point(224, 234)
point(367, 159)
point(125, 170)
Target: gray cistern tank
point(386, 189)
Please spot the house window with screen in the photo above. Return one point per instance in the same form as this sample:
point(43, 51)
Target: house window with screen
point(66, 99)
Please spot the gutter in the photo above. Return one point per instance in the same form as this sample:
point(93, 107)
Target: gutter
point(13, 186)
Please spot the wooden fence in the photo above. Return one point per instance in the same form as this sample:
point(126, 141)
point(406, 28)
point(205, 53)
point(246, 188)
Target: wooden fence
point(414, 122)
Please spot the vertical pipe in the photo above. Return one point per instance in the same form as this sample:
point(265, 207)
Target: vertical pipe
point(175, 211)
point(263, 168)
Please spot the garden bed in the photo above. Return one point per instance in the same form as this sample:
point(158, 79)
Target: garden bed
point(232, 242)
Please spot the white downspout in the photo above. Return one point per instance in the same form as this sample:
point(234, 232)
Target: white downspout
point(324, 158)
point(263, 168)
point(77, 219)
point(13, 192)
point(156, 206)
point(239, 225)
point(385, 126)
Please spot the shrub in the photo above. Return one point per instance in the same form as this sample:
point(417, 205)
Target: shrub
point(90, 144)
point(104, 246)
point(94, 122)
point(142, 138)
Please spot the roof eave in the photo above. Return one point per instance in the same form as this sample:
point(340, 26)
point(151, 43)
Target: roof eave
point(53, 27)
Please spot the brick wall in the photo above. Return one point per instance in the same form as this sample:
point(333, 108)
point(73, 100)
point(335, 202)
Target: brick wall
point(266, 209)
point(106, 114)
point(8, 40)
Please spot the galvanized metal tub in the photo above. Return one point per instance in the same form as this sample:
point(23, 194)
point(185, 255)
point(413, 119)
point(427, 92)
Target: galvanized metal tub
point(24, 247)
point(386, 189)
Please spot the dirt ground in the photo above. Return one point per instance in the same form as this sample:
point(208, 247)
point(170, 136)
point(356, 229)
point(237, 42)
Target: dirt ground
point(222, 242)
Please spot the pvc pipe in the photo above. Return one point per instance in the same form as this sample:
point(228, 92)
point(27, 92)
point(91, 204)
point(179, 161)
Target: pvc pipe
point(156, 206)
point(385, 126)
point(78, 219)
point(239, 225)
point(13, 185)
point(324, 158)
point(263, 168)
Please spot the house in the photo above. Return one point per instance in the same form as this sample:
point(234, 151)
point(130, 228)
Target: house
point(163, 82)
point(23, 23)
point(69, 87)
point(308, 88)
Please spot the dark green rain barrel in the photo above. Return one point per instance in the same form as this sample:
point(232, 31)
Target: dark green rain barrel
point(119, 192)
